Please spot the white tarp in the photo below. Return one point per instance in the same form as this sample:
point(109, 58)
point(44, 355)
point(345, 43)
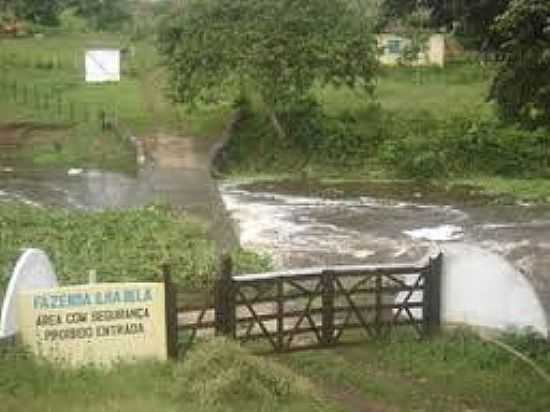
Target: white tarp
point(102, 65)
point(32, 271)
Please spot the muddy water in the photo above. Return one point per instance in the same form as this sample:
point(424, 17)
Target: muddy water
point(301, 231)
point(310, 230)
point(90, 189)
point(96, 189)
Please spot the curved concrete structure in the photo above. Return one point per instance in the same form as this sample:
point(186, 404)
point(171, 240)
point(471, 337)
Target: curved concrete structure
point(32, 271)
point(481, 288)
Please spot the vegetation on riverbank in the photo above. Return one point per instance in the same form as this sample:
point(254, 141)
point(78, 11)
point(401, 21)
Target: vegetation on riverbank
point(121, 246)
point(407, 133)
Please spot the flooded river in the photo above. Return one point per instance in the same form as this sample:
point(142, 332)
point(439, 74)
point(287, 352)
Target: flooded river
point(303, 231)
point(493, 250)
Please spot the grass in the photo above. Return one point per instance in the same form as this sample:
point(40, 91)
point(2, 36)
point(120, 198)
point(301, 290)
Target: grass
point(531, 190)
point(399, 91)
point(216, 376)
point(453, 372)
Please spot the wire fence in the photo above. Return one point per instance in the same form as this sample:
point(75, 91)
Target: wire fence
point(51, 105)
point(70, 62)
point(47, 61)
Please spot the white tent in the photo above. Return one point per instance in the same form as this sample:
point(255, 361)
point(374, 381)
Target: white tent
point(102, 65)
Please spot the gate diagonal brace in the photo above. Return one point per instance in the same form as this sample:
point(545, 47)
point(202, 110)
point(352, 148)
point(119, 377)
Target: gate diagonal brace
point(312, 296)
point(354, 308)
point(408, 297)
point(257, 319)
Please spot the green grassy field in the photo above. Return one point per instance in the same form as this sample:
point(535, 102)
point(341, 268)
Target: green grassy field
point(216, 376)
point(453, 372)
point(57, 63)
point(441, 92)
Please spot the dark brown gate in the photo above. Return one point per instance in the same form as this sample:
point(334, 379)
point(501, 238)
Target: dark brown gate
point(320, 307)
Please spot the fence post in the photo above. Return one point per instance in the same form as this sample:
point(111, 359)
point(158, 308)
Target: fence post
point(171, 312)
point(14, 88)
point(327, 303)
point(71, 111)
point(280, 314)
point(59, 107)
point(224, 299)
point(378, 306)
point(432, 295)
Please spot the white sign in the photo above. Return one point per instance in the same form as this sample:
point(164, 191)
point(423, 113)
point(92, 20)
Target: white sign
point(33, 270)
point(102, 65)
point(95, 324)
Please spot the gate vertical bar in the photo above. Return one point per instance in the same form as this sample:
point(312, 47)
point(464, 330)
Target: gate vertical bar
point(432, 295)
point(378, 306)
point(224, 300)
point(171, 312)
point(327, 301)
point(280, 314)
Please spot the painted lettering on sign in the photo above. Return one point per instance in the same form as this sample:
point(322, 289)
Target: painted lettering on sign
point(66, 300)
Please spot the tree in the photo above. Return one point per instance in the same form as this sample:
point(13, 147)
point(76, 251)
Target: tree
point(280, 48)
point(38, 11)
point(102, 14)
point(521, 86)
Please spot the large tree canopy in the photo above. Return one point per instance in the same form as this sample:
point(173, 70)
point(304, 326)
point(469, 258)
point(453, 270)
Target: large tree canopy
point(522, 84)
point(38, 11)
point(281, 48)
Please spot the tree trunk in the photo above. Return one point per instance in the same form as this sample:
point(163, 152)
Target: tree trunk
point(277, 125)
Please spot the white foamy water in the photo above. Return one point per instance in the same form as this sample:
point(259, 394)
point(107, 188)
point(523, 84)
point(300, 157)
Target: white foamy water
point(295, 228)
point(438, 233)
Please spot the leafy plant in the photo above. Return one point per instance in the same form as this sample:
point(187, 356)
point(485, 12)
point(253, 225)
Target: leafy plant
point(281, 49)
point(521, 86)
point(120, 245)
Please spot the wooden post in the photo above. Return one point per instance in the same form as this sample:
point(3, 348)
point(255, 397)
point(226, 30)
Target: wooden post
point(432, 295)
point(224, 299)
point(378, 306)
point(327, 301)
point(92, 277)
point(280, 314)
point(171, 312)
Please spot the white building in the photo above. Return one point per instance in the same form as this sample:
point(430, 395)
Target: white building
point(393, 45)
